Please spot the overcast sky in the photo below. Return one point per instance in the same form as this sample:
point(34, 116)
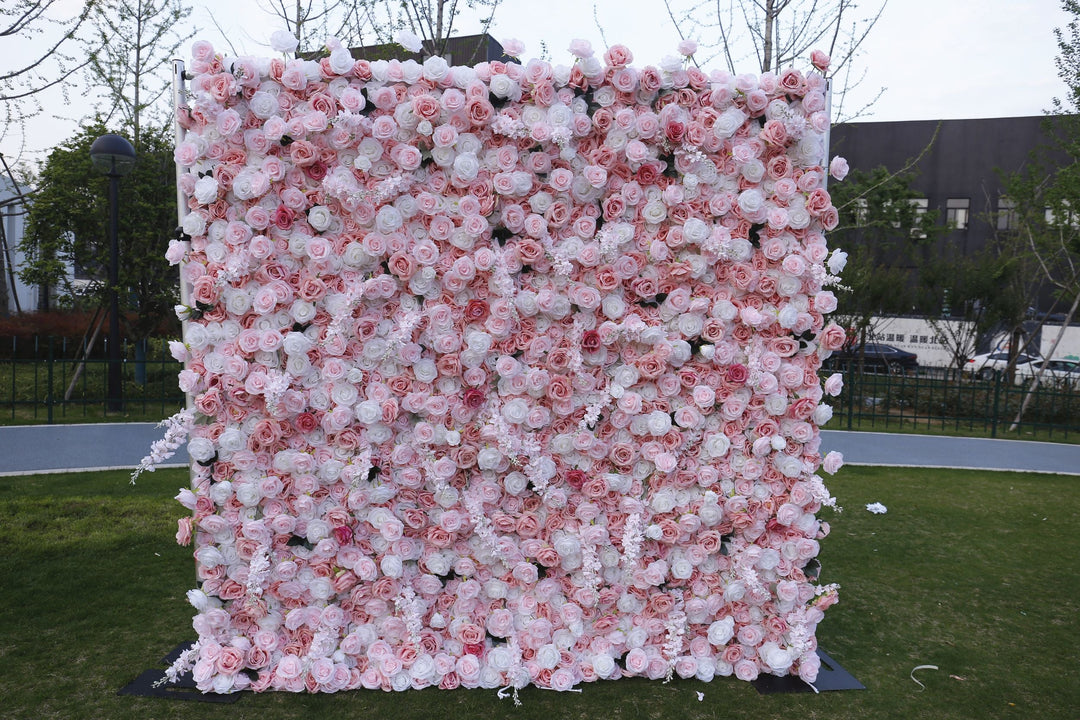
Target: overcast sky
point(934, 58)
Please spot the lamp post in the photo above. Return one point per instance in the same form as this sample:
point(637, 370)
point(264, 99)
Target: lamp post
point(114, 156)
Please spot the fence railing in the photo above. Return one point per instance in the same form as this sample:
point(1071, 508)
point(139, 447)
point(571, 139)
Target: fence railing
point(943, 401)
point(55, 380)
point(46, 380)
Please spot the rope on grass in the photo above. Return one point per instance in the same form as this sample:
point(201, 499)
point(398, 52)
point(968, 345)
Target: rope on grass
point(921, 667)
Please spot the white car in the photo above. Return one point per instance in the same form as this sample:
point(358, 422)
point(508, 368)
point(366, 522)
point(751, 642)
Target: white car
point(1058, 370)
point(985, 365)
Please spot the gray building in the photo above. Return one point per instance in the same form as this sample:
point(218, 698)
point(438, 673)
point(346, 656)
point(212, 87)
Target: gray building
point(15, 295)
point(959, 174)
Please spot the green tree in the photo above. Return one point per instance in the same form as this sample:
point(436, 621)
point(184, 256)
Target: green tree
point(886, 234)
point(68, 227)
point(962, 298)
point(1044, 220)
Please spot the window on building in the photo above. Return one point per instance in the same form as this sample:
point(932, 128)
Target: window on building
point(920, 206)
point(956, 212)
point(1062, 215)
point(1006, 214)
point(861, 212)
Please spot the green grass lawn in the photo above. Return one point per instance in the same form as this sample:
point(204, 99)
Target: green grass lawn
point(972, 572)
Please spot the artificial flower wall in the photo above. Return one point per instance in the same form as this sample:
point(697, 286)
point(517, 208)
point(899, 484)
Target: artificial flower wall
point(503, 374)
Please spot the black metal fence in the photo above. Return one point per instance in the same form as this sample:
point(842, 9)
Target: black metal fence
point(57, 380)
point(941, 401)
point(50, 380)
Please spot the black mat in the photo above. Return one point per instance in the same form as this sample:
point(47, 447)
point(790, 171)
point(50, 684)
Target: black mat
point(830, 677)
point(183, 689)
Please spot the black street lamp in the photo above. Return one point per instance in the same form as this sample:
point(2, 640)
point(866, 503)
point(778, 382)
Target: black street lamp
point(114, 156)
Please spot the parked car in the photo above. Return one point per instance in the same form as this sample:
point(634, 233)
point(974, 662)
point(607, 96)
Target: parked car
point(1058, 370)
point(877, 358)
point(985, 365)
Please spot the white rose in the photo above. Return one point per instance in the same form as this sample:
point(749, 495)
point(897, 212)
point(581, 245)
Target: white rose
point(695, 230)
point(721, 631)
point(837, 261)
point(409, 41)
point(206, 189)
point(391, 566)
point(515, 483)
point(437, 563)
point(425, 370)
point(344, 393)
point(663, 502)
point(320, 588)
point(466, 166)
point(232, 440)
point(728, 122)
point(717, 445)
point(710, 514)
point(625, 375)
point(751, 200)
point(488, 459)
point(201, 449)
point(566, 544)
point(354, 255)
point(775, 657)
point(302, 311)
point(194, 224)
point(547, 657)
point(320, 217)
point(654, 212)
point(296, 343)
point(613, 307)
point(317, 530)
point(515, 411)
point(341, 61)
point(283, 41)
point(368, 412)
point(496, 589)
point(388, 219)
point(435, 68)
point(263, 105)
point(603, 666)
point(502, 86)
point(658, 422)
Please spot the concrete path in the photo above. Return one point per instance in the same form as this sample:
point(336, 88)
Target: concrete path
point(28, 449)
point(899, 450)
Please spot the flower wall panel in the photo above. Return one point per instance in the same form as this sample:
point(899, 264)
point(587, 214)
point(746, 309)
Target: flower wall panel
point(503, 374)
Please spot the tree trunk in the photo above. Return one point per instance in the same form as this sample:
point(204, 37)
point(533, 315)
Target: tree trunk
point(767, 49)
point(1038, 376)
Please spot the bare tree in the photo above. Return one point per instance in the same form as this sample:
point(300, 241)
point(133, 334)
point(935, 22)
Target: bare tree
point(371, 22)
point(138, 39)
point(776, 33)
point(351, 21)
point(38, 41)
point(433, 20)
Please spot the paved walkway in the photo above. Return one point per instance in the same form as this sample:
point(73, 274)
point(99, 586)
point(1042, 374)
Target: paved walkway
point(27, 449)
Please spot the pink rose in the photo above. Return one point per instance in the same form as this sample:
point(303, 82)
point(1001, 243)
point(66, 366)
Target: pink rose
point(637, 660)
point(838, 168)
point(618, 56)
